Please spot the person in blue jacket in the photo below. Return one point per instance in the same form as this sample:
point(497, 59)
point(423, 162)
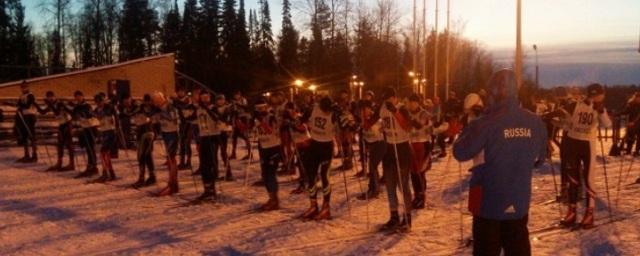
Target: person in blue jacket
point(513, 141)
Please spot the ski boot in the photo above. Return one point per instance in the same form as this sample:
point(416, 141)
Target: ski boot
point(311, 213)
point(70, 167)
point(150, 181)
point(405, 225)
point(370, 194)
point(418, 202)
point(325, 212)
point(102, 179)
point(229, 176)
point(55, 167)
point(24, 159)
point(209, 194)
point(112, 175)
point(170, 189)
point(393, 222)
point(139, 183)
point(272, 204)
point(587, 220)
point(570, 219)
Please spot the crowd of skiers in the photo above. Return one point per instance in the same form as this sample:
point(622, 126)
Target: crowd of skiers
point(504, 137)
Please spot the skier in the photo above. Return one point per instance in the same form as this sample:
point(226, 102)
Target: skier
point(83, 118)
point(223, 110)
point(106, 114)
point(270, 150)
point(241, 122)
point(25, 124)
point(186, 112)
point(420, 139)
point(145, 136)
point(585, 119)
point(126, 108)
point(396, 164)
point(62, 115)
point(167, 117)
point(322, 122)
point(346, 136)
point(301, 140)
point(209, 129)
point(514, 141)
point(375, 147)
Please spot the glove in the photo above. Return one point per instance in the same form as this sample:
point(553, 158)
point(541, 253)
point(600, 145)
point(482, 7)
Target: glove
point(391, 107)
point(347, 120)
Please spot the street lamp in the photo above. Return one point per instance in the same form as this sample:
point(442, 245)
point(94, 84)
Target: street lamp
point(535, 48)
point(313, 88)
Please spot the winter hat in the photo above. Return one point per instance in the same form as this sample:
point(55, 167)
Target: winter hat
point(502, 85)
point(415, 98)
point(325, 104)
point(595, 90)
point(472, 100)
point(388, 92)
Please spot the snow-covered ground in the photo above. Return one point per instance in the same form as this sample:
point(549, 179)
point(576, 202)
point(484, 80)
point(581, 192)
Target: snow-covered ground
point(53, 214)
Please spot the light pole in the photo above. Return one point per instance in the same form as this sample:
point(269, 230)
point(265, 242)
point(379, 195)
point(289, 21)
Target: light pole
point(447, 64)
point(535, 48)
point(518, 65)
point(435, 54)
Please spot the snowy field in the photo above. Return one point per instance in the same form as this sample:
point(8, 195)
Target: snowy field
point(54, 214)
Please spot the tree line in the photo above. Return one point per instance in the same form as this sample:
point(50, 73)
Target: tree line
point(227, 47)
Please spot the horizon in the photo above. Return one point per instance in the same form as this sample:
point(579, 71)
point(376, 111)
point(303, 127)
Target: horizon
point(612, 40)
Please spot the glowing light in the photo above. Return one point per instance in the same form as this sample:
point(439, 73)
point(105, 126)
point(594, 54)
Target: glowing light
point(412, 74)
point(313, 87)
point(298, 83)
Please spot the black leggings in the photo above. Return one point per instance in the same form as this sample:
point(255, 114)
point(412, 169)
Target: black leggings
point(65, 140)
point(145, 153)
point(580, 153)
point(492, 236)
point(223, 140)
point(318, 160)
point(208, 160)
point(88, 142)
point(185, 142)
point(234, 141)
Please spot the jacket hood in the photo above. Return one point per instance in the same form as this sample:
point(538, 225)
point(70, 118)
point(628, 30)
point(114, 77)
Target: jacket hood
point(502, 90)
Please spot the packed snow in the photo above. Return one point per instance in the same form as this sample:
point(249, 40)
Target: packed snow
point(52, 213)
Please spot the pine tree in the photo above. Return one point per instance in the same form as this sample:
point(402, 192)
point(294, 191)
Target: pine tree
point(235, 44)
point(187, 54)
point(5, 37)
point(170, 41)
point(23, 47)
point(208, 42)
point(138, 29)
point(265, 59)
point(288, 44)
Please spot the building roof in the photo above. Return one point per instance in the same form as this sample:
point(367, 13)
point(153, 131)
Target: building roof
point(87, 70)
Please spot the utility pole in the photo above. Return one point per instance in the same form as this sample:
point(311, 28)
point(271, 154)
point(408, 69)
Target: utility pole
point(447, 67)
point(435, 55)
point(415, 39)
point(425, 37)
point(518, 65)
point(535, 48)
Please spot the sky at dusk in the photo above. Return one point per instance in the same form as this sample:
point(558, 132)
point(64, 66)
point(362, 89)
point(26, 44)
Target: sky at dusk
point(566, 31)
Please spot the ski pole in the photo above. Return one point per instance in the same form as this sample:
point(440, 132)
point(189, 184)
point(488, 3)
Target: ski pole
point(460, 199)
point(193, 178)
point(399, 172)
point(124, 144)
point(344, 175)
point(555, 184)
point(619, 180)
point(606, 178)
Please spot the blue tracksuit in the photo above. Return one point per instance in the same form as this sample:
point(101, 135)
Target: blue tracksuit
point(512, 139)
